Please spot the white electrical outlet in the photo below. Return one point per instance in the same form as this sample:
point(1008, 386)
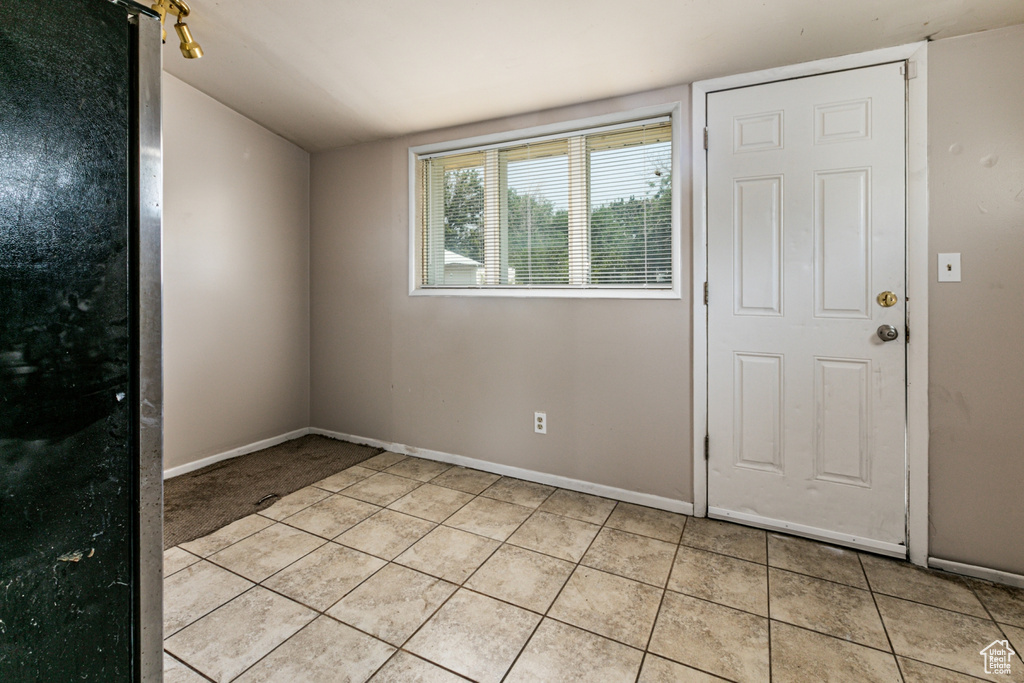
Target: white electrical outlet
point(540, 423)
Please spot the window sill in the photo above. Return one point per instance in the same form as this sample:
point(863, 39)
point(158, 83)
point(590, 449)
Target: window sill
point(519, 292)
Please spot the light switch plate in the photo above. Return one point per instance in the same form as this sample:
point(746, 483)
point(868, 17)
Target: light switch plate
point(949, 267)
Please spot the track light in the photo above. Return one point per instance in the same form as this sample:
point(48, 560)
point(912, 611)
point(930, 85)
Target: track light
point(189, 47)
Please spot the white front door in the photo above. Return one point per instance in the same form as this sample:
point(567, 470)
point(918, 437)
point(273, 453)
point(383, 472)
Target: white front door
point(806, 228)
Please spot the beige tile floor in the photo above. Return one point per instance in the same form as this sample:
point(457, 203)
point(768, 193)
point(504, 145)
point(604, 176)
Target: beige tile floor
point(401, 570)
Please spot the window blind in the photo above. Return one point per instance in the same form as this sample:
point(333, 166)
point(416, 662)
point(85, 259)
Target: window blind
point(586, 209)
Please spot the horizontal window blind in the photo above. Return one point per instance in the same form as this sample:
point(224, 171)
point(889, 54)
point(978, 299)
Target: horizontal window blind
point(582, 210)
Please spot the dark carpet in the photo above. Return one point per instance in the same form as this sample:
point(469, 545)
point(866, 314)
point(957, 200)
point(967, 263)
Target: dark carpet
point(200, 502)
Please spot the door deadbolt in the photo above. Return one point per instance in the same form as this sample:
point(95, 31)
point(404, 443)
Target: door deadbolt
point(887, 299)
point(887, 333)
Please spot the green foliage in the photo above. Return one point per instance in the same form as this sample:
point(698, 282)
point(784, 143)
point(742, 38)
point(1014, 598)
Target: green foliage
point(464, 213)
point(630, 239)
point(538, 240)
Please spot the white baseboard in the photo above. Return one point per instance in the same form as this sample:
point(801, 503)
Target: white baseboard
point(994, 575)
point(234, 453)
point(646, 499)
point(361, 440)
point(880, 547)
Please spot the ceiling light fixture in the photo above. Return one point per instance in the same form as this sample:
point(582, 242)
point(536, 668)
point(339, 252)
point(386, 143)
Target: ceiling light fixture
point(189, 47)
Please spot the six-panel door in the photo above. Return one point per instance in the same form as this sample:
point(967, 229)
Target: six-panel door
point(806, 227)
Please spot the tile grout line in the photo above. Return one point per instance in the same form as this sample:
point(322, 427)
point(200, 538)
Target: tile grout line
point(940, 667)
point(415, 656)
point(432, 615)
point(603, 526)
point(392, 561)
point(326, 541)
point(577, 564)
point(277, 571)
point(386, 659)
point(769, 565)
point(777, 620)
point(526, 643)
point(878, 611)
point(188, 666)
point(330, 539)
point(540, 621)
point(203, 557)
point(261, 511)
point(984, 605)
point(661, 603)
point(832, 637)
point(735, 609)
point(869, 589)
point(422, 483)
point(459, 586)
point(938, 607)
point(679, 546)
point(768, 600)
point(198, 558)
point(427, 519)
point(546, 615)
point(214, 609)
point(318, 612)
point(274, 649)
point(812, 576)
point(259, 584)
point(558, 594)
point(191, 623)
point(512, 604)
point(348, 544)
point(643, 657)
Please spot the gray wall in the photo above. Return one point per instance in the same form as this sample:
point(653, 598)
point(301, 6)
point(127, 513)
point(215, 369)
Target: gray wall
point(236, 279)
point(976, 335)
point(465, 376)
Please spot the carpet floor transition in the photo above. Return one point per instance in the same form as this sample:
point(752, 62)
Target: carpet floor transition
point(198, 503)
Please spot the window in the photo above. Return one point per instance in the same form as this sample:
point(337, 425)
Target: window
point(580, 212)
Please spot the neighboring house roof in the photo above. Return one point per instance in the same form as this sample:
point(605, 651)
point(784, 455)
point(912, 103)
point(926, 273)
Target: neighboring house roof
point(453, 259)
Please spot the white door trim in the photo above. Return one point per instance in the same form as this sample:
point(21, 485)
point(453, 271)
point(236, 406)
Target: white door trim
point(917, 270)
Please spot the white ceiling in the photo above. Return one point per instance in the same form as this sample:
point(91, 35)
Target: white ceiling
point(327, 73)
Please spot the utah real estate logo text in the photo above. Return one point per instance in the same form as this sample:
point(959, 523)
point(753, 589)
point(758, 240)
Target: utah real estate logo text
point(997, 657)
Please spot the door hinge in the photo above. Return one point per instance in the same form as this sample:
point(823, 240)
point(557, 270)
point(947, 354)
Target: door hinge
point(705, 292)
point(707, 446)
point(906, 336)
point(705, 137)
point(908, 70)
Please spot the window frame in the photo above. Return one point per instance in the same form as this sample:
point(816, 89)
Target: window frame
point(415, 256)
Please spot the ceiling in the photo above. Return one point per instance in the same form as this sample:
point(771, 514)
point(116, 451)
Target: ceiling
point(328, 73)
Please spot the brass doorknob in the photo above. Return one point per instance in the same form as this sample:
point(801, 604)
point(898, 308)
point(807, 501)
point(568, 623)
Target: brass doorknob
point(887, 299)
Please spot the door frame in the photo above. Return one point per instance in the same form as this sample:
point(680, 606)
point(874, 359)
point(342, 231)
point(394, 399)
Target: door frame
point(917, 268)
point(146, 221)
